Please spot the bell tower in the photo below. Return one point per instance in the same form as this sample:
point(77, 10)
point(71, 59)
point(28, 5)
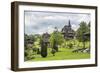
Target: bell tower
point(69, 24)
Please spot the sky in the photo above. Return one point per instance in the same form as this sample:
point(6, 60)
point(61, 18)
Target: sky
point(37, 22)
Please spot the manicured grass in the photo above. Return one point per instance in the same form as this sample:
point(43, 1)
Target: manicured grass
point(63, 54)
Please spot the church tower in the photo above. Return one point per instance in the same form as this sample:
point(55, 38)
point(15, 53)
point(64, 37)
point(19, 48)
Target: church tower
point(67, 31)
point(69, 24)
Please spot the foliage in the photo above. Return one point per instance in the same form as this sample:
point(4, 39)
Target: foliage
point(81, 31)
point(55, 45)
point(57, 37)
point(29, 54)
point(31, 43)
point(89, 27)
point(29, 39)
point(53, 51)
point(70, 45)
point(43, 49)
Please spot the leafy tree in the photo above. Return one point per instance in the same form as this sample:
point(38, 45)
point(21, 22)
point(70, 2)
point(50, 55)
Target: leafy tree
point(37, 36)
point(70, 45)
point(81, 31)
point(28, 43)
point(25, 40)
point(29, 54)
point(89, 27)
point(29, 39)
point(56, 39)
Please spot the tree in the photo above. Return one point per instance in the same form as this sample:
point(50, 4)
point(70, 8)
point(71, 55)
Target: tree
point(29, 54)
point(29, 39)
point(89, 25)
point(28, 43)
point(81, 31)
point(43, 49)
point(25, 40)
point(56, 39)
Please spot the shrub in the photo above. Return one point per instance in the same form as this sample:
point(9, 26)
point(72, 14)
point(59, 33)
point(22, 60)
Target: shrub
point(70, 45)
point(43, 49)
point(29, 54)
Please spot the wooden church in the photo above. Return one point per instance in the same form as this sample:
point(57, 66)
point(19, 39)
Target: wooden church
point(68, 32)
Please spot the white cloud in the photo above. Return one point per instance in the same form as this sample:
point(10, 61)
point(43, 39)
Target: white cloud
point(41, 22)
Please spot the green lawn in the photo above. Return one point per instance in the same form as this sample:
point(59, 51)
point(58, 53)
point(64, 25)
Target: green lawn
point(63, 54)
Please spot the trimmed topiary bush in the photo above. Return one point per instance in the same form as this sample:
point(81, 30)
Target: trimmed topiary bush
point(55, 46)
point(43, 49)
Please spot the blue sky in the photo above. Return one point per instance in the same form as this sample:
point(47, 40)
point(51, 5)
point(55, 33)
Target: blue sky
point(40, 22)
